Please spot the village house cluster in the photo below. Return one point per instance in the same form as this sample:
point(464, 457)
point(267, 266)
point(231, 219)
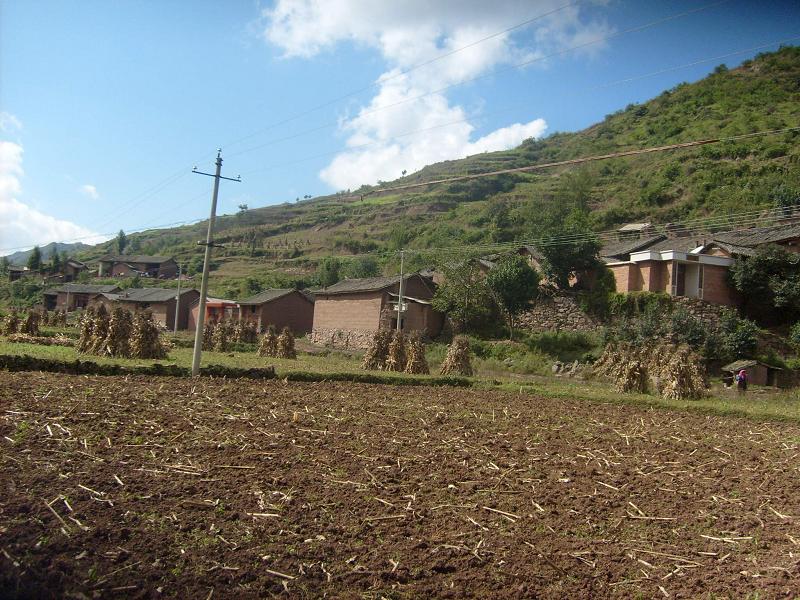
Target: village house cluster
point(347, 313)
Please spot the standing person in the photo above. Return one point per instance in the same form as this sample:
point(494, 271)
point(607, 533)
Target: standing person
point(741, 381)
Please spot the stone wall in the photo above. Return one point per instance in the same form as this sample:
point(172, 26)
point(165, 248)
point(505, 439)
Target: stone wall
point(557, 312)
point(705, 312)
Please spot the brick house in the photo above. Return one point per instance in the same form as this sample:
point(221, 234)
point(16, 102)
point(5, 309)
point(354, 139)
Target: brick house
point(280, 307)
point(160, 267)
point(689, 266)
point(71, 296)
point(72, 268)
point(347, 313)
point(15, 273)
point(217, 309)
point(160, 301)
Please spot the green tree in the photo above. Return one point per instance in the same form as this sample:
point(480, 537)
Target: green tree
point(122, 241)
point(35, 259)
point(55, 262)
point(514, 285)
point(464, 296)
point(769, 284)
point(361, 266)
point(328, 271)
point(4, 264)
point(572, 251)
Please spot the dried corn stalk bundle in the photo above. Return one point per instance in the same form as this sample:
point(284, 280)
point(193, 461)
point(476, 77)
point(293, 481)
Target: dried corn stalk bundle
point(246, 332)
point(683, 377)
point(222, 338)
point(59, 318)
point(457, 360)
point(45, 319)
point(99, 331)
point(417, 363)
point(378, 350)
point(87, 331)
point(31, 323)
point(146, 337)
point(675, 372)
point(396, 359)
point(208, 336)
point(11, 323)
point(120, 327)
point(286, 344)
point(24, 338)
point(269, 343)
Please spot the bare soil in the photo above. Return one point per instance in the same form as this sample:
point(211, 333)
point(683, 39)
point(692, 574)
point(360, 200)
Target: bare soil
point(143, 487)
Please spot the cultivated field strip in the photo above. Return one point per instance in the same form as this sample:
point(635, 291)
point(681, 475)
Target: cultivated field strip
point(157, 487)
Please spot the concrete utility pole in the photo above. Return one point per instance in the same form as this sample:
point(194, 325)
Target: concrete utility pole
point(209, 243)
point(400, 293)
point(177, 300)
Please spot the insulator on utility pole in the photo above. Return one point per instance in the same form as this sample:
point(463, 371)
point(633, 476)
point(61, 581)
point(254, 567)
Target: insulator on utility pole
point(209, 243)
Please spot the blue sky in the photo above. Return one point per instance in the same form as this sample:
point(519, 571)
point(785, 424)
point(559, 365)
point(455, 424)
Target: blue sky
point(106, 106)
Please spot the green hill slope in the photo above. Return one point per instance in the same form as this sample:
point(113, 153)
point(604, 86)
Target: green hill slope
point(276, 244)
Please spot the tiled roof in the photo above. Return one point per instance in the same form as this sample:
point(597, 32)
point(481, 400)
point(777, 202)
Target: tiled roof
point(625, 247)
point(759, 235)
point(270, 295)
point(148, 294)
point(80, 288)
point(136, 258)
point(368, 284)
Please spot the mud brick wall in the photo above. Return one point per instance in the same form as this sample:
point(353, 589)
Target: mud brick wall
point(341, 338)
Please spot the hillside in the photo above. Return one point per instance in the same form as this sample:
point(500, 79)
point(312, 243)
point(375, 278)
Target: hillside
point(278, 244)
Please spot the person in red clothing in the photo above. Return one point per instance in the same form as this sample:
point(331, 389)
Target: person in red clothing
point(741, 381)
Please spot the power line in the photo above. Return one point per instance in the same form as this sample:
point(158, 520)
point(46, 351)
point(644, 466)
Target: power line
point(577, 161)
point(400, 74)
point(501, 110)
point(479, 77)
point(540, 166)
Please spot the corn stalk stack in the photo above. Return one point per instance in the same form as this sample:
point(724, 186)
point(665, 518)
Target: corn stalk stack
point(396, 360)
point(286, 344)
point(120, 326)
point(146, 337)
point(378, 350)
point(222, 338)
point(457, 361)
point(269, 343)
point(100, 330)
point(417, 363)
point(245, 331)
point(31, 323)
point(45, 320)
point(86, 331)
point(208, 336)
point(11, 323)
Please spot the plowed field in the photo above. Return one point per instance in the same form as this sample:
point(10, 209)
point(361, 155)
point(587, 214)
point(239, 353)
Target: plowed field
point(149, 488)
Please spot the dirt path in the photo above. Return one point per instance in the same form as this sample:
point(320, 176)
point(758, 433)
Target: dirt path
point(149, 488)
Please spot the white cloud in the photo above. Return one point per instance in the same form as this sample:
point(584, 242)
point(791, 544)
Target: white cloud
point(9, 122)
point(410, 33)
point(20, 225)
point(90, 191)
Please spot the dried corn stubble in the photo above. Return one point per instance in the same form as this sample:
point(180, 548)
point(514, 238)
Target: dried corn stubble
point(417, 363)
point(208, 335)
point(396, 360)
point(146, 337)
point(269, 343)
point(457, 361)
point(378, 350)
point(286, 344)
